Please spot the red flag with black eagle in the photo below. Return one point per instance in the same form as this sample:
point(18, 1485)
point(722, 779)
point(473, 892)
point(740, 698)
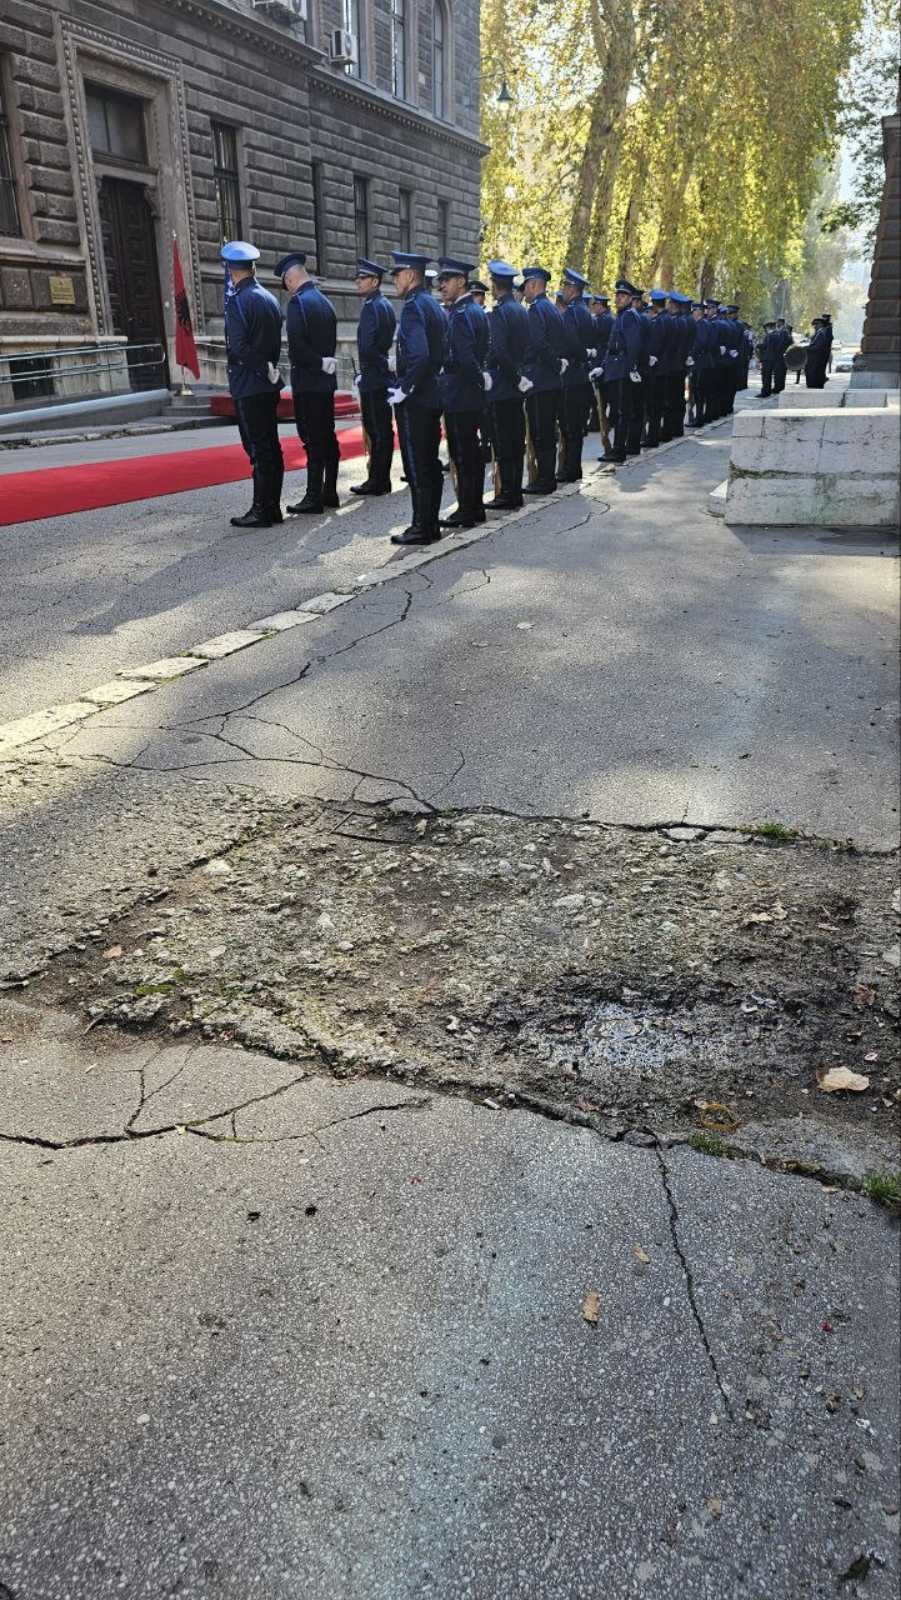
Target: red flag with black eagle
point(185, 348)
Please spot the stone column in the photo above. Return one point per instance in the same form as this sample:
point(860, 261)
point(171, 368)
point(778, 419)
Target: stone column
point(879, 362)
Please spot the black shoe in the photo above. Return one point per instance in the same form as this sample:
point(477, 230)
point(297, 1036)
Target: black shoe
point(457, 520)
point(612, 461)
point(306, 507)
point(502, 502)
point(363, 488)
point(331, 502)
point(276, 514)
point(254, 518)
point(540, 488)
point(414, 535)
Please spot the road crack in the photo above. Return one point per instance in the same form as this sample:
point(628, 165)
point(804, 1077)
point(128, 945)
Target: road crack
point(689, 1280)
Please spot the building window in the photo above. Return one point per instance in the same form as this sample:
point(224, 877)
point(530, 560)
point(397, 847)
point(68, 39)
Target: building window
point(443, 228)
point(30, 377)
point(361, 215)
point(10, 220)
point(227, 180)
point(318, 217)
point(399, 48)
point(405, 218)
point(439, 59)
point(116, 125)
point(352, 22)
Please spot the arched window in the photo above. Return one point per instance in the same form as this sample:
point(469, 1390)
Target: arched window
point(439, 59)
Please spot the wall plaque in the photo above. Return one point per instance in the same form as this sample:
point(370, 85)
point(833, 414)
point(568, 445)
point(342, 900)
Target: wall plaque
point(62, 291)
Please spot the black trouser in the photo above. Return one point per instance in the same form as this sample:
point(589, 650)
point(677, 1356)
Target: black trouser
point(674, 417)
point(419, 432)
point(314, 415)
point(464, 445)
point(655, 407)
point(258, 427)
point(575, 405)
point(626, 413)
point(779, 374)
point(541, 413)
point(766, 379)
point(815, 372)
point(508, 431)
point(379, 431)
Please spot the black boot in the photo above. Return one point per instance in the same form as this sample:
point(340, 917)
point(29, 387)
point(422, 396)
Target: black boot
point(312, 503)
point(330, 485)
point(259, 515)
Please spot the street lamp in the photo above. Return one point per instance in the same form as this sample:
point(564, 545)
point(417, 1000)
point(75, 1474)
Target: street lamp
point(504, 98)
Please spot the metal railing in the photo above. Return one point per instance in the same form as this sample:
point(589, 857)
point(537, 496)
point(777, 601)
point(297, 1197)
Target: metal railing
point(120, 358)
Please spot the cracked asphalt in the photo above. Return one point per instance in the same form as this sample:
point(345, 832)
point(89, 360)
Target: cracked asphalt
point(369, 1001)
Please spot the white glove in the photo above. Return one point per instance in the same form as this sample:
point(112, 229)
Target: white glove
point(722, 349)
point(392, 360)
point(733, 354)
point(563, 365)
point(358, 378)
point(329, 365)
point(591, 353)
point(653, 360)
point(488, 381)
point(595, 373)
point(634, 377)
point(689, 361)
point(524, 385)
point(396, 397)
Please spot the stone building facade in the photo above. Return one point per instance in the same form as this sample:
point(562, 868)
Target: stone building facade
point(123, 122)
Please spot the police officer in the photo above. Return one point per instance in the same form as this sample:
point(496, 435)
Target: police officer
point(479, 292)
point(312, 329)
point(462, 384)
point(603, 325)
point(375, 336)
point(683, 363)
point(580, 350)
point(661, 353)
point(621, 374)
point(508, 326)
point(817, 356)
point(702, 370)
point(766, 353)
point(253, 339)
point(781, 343)
point(543, 367)
point(416, 395)
point(830, 335)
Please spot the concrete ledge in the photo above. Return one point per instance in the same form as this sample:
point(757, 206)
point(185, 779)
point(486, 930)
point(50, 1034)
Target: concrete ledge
point(826, 466)
point(716, 500)
point(110, 408)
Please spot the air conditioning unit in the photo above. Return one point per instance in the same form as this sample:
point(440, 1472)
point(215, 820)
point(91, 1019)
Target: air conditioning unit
point(288, 11)
point(342, 48)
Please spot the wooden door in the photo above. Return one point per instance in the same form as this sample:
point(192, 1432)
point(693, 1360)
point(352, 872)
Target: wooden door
point(133, 280)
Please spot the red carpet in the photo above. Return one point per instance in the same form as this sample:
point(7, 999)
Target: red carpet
point(58, 491)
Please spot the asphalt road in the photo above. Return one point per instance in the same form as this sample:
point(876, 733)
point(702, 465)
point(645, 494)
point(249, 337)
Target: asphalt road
point(618, 653)
point(345, 1353)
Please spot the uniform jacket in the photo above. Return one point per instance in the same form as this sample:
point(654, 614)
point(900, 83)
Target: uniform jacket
point(421, 347)
point(706, 345)
point(375, 336)
point(462, 388)
point(603, 324)
point(312, 333)
point(253, 337)
point(661, 344)
point(546, 344)
point(688, 329)
point(624, 352)
point(817, 355)
point(580, 336)
point(508, 327)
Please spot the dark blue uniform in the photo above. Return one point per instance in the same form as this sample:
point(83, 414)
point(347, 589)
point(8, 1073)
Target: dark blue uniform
point(703, 371)
point(580, 335)
point(660, 354)
point(253, 339)
point(375, 336)
point(816, 360)
point(312, 329)
point(542, 368)
point(463, 396)
point(624, 357)
point(781, 342)
point(508, 326)
point(421, 345)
